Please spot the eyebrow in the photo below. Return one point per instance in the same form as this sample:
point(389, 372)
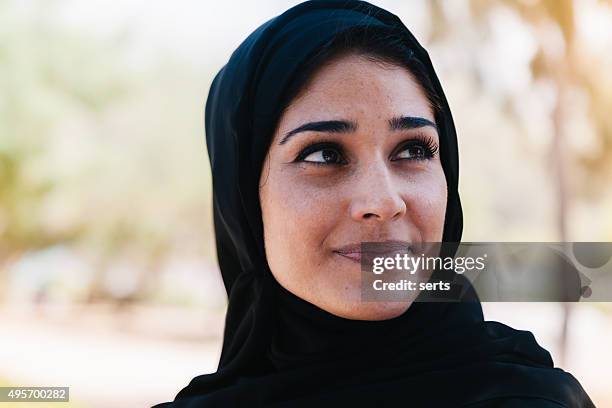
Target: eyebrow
point(329, 126)
point(410, 122)
point(344, 126)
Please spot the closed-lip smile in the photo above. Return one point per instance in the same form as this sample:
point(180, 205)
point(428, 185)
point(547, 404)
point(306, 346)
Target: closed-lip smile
point(390, 247)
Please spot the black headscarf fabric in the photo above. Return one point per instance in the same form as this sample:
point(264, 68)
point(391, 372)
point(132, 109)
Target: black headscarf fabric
point(280, 350)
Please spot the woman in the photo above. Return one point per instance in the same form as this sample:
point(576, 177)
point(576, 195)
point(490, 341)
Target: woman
point(328, 127)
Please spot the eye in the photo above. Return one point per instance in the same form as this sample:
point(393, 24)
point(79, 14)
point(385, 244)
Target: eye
point(418, 148)
point(413, 151)
point(323, 156)
point(322, 153)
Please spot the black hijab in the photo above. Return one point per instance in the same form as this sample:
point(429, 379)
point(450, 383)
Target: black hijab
point(279, 349)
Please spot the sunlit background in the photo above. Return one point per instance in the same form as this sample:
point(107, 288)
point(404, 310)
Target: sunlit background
point(108, 275)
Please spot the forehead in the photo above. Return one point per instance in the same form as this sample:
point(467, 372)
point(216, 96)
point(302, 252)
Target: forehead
point(355, 87)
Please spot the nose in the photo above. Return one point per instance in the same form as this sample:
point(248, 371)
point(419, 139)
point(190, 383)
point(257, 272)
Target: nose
point(377, 196)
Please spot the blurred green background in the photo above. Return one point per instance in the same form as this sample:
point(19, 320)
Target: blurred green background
point(108, 275)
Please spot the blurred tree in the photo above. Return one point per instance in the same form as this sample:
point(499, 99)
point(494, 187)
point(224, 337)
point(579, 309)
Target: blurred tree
point(100, 148)
point(46, 74)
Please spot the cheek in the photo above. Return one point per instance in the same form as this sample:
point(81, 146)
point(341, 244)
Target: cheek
point(426, 206)
point(297, 219)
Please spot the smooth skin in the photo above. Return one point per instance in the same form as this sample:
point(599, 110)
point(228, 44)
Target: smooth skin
point(376, 181)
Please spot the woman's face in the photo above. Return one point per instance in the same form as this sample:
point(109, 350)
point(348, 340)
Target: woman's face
point(354, 158)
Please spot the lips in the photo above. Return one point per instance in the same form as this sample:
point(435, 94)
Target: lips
point(385, 248)
point(353, 256)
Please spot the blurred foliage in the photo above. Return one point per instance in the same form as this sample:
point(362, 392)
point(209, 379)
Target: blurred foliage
point(96, 151)
point(569, 63)
point(46, 75)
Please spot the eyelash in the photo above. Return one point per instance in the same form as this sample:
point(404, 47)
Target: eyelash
point(430, 148)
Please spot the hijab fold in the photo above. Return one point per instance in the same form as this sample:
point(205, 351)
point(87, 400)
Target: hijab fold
point(281, 350)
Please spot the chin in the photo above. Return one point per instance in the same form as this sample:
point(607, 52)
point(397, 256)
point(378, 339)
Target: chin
point(359, 310)
point(344, 300)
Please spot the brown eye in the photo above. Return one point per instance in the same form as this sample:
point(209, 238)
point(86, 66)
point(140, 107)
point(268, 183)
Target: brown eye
point(412, 152)
point(321, 154)
point(418, 148)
